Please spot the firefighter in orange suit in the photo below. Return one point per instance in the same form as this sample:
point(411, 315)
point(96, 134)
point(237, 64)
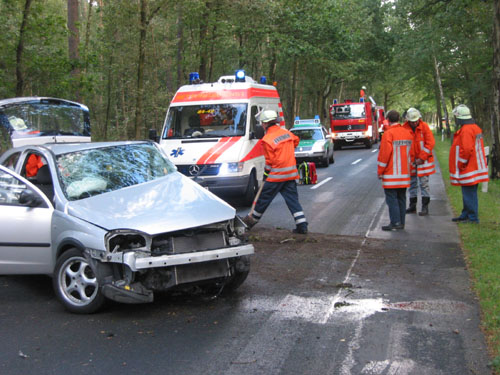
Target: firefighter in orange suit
point(467, 162)
point(422, 161)
point(280, 172)
point(394, 169)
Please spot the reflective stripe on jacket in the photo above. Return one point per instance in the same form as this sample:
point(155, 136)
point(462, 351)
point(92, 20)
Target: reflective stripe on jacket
point(422, 146)
point(467, 160)
point(394, 157)
point(279, 151)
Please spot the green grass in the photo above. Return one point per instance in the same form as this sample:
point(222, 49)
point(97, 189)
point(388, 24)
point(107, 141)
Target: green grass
point(481, 244)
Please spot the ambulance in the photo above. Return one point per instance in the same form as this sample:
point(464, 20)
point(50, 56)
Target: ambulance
point(212, 134)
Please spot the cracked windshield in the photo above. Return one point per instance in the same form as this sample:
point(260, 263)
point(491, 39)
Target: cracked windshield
point(206, 121)
point(96, 171)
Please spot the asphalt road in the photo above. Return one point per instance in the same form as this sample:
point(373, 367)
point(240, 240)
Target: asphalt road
point(346, 299)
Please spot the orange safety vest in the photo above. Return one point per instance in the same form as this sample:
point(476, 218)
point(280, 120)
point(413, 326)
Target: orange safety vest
point(423, 143)
point(467, 160)
point(279, 151)
point(394, 157)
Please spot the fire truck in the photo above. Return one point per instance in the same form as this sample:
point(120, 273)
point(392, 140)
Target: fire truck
point(211, 133)
point(353, 123)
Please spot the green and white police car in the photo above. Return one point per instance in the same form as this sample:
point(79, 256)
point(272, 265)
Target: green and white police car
point(315, 142)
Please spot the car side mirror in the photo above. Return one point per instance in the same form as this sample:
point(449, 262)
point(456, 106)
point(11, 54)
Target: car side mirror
point(30, 198)
point(153, 135)
point(258, 132)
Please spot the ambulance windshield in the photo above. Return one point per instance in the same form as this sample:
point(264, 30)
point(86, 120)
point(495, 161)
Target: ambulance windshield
point(348, 111)
point(206, 121)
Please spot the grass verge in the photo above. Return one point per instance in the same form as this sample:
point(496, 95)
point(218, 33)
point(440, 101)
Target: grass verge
point(481, 244)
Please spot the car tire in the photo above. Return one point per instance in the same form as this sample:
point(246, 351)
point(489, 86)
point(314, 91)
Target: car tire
point(238, 276)
point(368, 144)
point(251, 191)
point(75, 283)
point(325, 162)
point(332, 157)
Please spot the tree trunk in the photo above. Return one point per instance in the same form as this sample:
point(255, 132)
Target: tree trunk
point(138, 127)
point(443, 101)
point(20, 50)
point(495, 123)
point(74, 41)
point(87, 36)
point(180, 43)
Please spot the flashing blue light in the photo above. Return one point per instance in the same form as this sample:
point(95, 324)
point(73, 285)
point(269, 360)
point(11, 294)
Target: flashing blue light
point(335, 101)
point(316, 117)
point(297, 118)
point(240, 76)
point(194, 76)
point(263, 80)
point(361, 100)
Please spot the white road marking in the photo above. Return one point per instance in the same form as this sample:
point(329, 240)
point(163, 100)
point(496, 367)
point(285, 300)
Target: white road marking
point(374, 151)
point(356, 161)
point(321, 183)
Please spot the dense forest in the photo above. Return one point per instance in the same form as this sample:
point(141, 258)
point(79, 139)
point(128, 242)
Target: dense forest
point(125, 59)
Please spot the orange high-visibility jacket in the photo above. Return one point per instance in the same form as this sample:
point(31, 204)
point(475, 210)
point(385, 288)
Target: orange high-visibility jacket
point(423, 143)
point(279, 151)
point(33, 165)
point(467, 160)
point(394, 157)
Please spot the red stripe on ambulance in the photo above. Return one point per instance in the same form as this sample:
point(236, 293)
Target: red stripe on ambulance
point(200, 96)
point(214, 152)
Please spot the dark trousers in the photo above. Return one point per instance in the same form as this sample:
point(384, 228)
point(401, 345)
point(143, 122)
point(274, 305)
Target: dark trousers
point(396, 201)
point(469, 200)
point(288, 190)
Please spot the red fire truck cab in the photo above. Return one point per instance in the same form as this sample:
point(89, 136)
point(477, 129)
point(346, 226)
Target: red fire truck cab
point(353, 123)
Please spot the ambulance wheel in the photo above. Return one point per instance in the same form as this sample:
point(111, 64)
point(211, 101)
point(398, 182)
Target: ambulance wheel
point(252, 188)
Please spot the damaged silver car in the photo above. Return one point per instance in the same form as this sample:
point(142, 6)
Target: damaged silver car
point(114, 220)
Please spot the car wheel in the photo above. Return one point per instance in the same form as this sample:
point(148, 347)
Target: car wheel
point(368, 143)
point(76, 284)
point(238, 277)
point(252, 189)
point(332, 158)
point(325, 162)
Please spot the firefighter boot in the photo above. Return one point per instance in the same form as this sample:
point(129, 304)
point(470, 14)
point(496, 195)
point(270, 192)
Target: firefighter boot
point(425, 206)
point(412, 208)
point(249, 221)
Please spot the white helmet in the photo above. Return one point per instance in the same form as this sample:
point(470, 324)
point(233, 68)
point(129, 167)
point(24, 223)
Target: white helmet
point(413, 115)
point(462, 112)
point(268, 116)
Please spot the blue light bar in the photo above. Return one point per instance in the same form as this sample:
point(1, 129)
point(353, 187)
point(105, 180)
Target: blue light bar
point(335, 101)
point(193, 77)
point(240, 76)
point(316, 117)
point(361, 100)
point(263, 80)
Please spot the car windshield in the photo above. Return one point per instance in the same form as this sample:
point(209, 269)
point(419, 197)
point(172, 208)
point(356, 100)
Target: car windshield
point(308, 134)
point(206, 121)
point(45, 118)
point(100, 170)
point(348, 111)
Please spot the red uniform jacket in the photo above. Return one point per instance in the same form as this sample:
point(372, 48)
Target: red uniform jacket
point(423, 143)
point(467, 160)
point(394, 157)
point(279, 150)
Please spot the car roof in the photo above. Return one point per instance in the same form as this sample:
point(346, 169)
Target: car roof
point(64, 148)
point(39, 99)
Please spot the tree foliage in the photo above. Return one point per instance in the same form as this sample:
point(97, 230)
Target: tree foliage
point(315, 50)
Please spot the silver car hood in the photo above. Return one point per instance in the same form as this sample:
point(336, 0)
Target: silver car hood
point(168, 204)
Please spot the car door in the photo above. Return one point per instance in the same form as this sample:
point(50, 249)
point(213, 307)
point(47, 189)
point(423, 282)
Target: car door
point(25, 232)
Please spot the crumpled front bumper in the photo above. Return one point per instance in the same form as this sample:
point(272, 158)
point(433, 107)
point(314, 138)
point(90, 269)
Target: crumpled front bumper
point(135, 261)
